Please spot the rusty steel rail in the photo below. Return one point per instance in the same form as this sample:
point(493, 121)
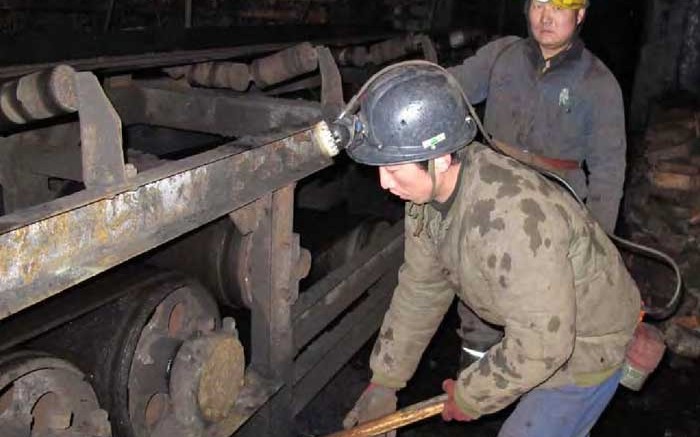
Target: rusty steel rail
point(53, 246)
point(154, 58)
point(145, 60)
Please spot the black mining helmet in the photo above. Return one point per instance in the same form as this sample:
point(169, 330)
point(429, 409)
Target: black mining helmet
point(411, 111)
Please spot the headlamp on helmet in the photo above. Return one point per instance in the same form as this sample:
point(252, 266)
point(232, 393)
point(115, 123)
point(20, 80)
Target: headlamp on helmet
point(566, 4)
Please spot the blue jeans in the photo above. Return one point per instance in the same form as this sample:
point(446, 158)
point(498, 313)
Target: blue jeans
point(568, 411)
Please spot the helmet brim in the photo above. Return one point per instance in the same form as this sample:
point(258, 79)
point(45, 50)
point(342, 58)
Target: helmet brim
point(366, 153)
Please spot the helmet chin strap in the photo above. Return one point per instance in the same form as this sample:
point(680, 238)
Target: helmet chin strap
point(417, 211)
point(431, 172)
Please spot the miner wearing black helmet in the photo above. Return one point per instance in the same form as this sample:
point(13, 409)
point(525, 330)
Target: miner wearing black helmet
point(549, 98)
point(512, 245)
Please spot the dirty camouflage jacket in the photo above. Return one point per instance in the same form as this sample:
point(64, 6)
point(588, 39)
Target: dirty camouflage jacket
point(572, 111)
point(524, 255)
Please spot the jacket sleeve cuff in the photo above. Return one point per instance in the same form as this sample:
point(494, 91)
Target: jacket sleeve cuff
point(465, 407)
point(387, 381)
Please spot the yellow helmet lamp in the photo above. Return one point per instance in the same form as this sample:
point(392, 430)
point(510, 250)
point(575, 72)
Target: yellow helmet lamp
point(566, 4)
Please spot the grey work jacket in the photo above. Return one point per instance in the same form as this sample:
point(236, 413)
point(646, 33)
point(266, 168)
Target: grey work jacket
point(522, 254)
point(573, 111)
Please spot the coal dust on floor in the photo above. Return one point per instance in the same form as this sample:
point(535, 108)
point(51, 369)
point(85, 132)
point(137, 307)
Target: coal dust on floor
point(667, 406)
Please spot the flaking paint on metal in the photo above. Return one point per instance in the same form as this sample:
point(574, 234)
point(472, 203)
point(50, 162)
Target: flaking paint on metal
point(41, 258)
point(102, 222)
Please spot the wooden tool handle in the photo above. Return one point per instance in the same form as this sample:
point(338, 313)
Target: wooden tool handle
point(403, 417)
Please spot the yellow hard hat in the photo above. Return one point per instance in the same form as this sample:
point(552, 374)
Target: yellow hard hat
point(567, 4)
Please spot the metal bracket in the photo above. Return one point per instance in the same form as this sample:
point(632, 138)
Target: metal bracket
point(248, 217)
point(332, 101)
point(100, 135)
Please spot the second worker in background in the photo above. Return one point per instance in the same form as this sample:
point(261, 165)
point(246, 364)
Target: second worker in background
point(550, 100)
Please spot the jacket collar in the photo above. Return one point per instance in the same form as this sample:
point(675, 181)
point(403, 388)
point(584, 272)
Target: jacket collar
point(534, 54)
point(444, 207)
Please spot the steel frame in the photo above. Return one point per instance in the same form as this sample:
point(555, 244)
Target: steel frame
point(57, 245)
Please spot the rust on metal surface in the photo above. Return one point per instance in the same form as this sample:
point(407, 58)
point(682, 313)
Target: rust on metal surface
point(51, 247)
point(255, 393)
point(221, 378)
point(100, 135)
point(48, 396)
point(156, 408)
point(205, 380)
point(39, 95)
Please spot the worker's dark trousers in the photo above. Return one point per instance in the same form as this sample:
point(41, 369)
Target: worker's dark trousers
point(477, 336)
point(568, 411)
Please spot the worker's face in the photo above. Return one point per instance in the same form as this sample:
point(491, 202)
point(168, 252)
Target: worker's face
point(553, 27)
point(408, 181)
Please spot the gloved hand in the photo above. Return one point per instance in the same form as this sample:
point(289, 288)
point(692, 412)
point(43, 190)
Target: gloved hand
point(376, 401)
point(451, 411)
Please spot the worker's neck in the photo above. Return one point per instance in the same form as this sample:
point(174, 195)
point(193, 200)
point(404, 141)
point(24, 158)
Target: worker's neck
point(550, 52)
point(448, 182)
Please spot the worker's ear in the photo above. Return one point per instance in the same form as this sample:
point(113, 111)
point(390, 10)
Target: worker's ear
point(580, 15)
point(442, 163)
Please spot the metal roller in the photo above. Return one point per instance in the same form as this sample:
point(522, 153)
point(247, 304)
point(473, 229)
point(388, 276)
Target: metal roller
point(381, 52)
point(229, 75)
point(270, 70)
point(221, 263)
point(164, 363)
point(39, 95)
point(41, 395)
point(284, 65)
point(344, 248)
point(357, 56)
point(391, 49)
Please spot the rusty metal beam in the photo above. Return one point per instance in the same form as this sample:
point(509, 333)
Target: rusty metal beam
point(246, 44)
point(72, 304)
point(50, 247)
point(273, 256)
point(146, 60)
point(218, 112)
